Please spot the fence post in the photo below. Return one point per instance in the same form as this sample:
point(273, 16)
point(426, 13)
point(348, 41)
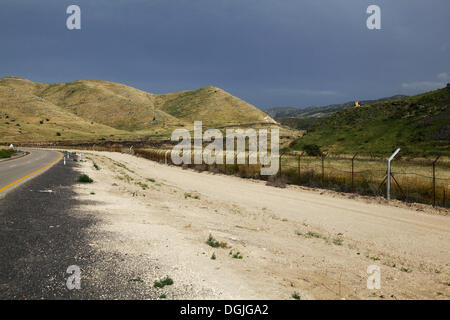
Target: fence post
point(279, 164)
point(299, 168)
point(388, 176)
point(353, 189)
point(323, 169)
point(443, 199)
point(434, 180)
point(165, 156)
point(248, 160)
point(225, 161)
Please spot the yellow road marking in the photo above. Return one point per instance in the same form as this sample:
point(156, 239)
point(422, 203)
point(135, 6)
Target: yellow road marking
point(29, 175)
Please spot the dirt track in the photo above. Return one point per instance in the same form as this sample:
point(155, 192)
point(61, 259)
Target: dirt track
point(318, 244)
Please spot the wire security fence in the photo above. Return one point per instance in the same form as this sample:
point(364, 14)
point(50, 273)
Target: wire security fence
point(412, 180)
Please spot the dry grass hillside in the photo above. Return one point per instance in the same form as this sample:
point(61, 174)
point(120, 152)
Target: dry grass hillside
point(92, 109)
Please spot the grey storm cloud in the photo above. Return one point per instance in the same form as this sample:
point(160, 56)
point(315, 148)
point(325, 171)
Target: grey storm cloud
point(270, 53)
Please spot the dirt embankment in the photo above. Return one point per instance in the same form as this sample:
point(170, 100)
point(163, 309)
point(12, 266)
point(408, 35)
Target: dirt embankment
point(275, 241)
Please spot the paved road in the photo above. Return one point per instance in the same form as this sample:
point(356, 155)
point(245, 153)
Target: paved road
point(43, 233)
point(16, 171)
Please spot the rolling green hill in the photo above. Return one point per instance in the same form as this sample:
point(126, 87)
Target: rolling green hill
point(299, 123)
point(420, 125)
point(93, 109)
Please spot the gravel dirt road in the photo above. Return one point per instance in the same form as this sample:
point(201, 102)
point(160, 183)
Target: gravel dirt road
point(318, 244)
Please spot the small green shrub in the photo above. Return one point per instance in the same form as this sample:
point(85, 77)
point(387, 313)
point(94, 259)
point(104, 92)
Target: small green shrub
point(84, 178)
point(237, 255)
point(214, 243)
point(167, 281)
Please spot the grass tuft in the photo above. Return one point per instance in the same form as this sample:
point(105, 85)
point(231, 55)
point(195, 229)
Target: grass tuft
point(237, 255)
point(313, 234)
point(188, 195)
point(212, 242)
point(167, 281)
point(142, 185)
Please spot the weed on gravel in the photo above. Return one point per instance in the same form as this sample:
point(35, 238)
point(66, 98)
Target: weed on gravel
point(167, 281)
point(188, 195)
point(296, 296)
point(212, 242)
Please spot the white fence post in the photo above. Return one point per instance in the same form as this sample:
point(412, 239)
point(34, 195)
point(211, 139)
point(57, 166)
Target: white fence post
point(388, 191)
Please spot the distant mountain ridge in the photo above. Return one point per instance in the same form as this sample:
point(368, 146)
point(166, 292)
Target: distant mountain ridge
point(321, 111)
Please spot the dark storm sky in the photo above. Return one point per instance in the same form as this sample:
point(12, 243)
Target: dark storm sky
point(269, 53)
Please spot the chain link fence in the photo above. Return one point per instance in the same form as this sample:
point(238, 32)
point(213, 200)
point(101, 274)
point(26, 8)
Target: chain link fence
point(412, 180)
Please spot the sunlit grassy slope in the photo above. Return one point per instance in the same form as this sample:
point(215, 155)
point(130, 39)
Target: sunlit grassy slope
point(92, 109)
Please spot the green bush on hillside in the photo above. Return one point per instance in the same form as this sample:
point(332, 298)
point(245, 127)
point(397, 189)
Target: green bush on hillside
point(312, 150)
